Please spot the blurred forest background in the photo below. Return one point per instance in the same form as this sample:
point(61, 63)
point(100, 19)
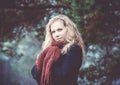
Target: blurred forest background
point(22, 24)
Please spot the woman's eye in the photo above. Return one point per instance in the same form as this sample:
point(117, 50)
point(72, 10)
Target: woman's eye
point(53, 32)
point(60, 29)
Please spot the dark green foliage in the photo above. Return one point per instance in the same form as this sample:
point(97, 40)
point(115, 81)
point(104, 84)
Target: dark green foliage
point(104, 72)
point(104, 23)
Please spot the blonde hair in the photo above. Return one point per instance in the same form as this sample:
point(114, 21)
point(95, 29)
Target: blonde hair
point(73, 35)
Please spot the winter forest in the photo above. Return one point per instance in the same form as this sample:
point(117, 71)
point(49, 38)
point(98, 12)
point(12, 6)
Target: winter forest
point(22, 24)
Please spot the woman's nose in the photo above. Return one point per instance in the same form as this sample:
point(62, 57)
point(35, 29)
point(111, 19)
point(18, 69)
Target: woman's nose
point(56, 34)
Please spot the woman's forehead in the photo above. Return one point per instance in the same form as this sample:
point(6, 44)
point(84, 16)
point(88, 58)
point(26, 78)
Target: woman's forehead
point(57, 24)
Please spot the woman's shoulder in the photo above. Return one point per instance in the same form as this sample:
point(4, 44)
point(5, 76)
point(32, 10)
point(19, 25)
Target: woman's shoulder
point(74, 50)
point(74, 55)
point(75, 47)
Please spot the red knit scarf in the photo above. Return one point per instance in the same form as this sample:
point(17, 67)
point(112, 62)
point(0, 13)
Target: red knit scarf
point(45, 61)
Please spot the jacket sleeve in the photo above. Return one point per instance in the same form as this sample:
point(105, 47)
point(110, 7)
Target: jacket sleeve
point(70, 64)
point(35, 74)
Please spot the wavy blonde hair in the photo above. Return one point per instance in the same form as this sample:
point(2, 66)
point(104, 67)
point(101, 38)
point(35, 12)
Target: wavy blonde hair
point(73, 35)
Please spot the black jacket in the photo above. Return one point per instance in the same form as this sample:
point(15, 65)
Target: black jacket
point(65, 71)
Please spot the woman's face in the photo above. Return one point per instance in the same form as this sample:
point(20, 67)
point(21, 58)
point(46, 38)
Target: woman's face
point(58, 31)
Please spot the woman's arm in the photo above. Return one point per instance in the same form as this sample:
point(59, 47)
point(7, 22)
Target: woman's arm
point(35, 74)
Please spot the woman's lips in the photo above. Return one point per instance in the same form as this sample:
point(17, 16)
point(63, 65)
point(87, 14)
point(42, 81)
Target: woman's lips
point(58, 39)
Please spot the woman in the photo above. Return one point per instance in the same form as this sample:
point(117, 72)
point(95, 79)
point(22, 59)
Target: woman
point(62, 53)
